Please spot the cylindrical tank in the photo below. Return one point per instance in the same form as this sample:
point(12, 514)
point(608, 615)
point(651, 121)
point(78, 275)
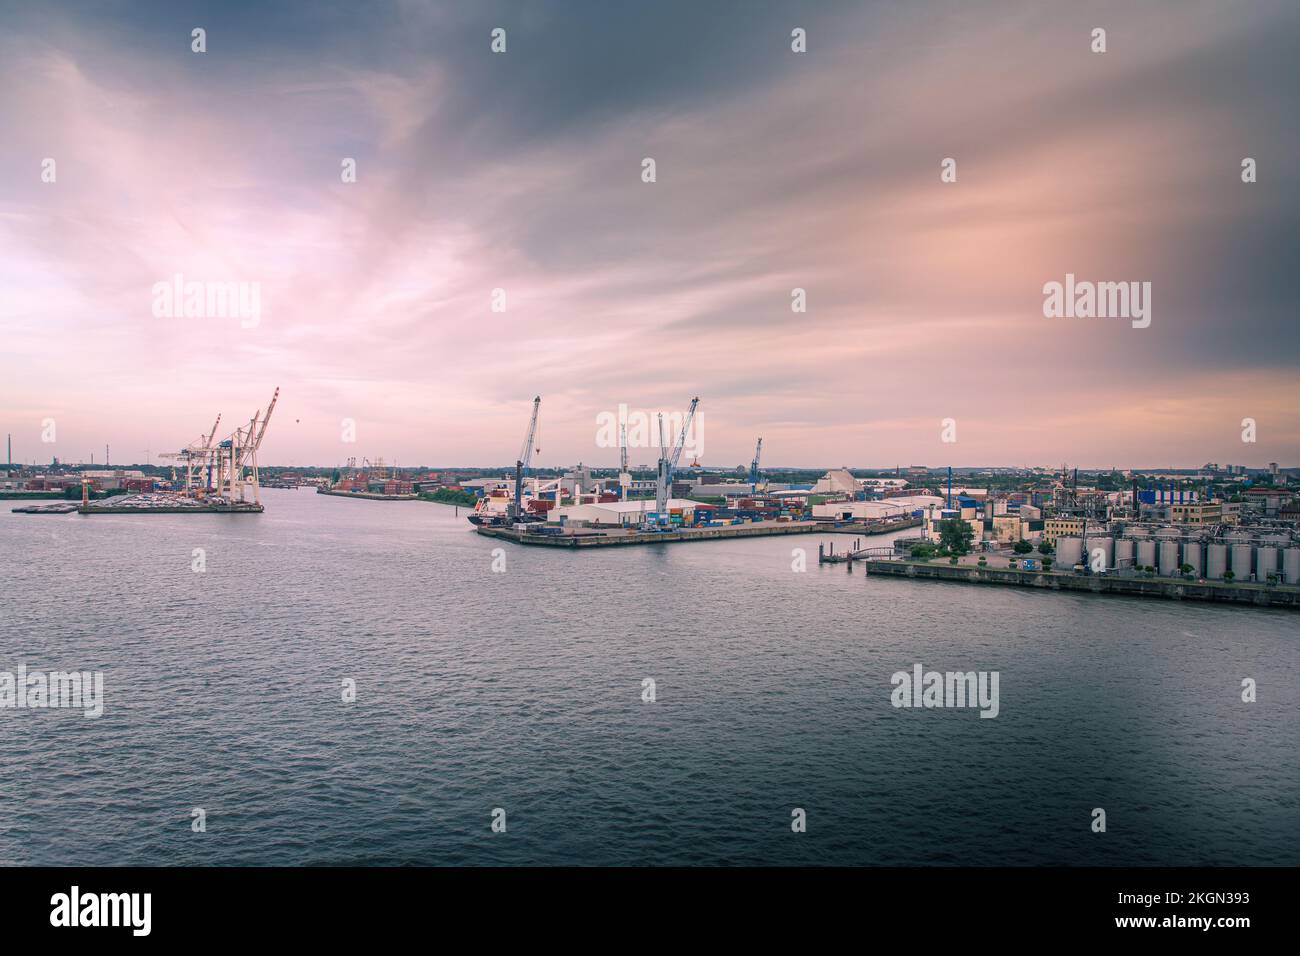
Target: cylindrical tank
point(1265, 563)
point(1124, 553)
point(1146, 554)
point(1239, 561)
point(1069, 552)
point(1216, 561)
point(1169, 557)
point(1192, 556)
point(1291, 565)
point(1107, 547)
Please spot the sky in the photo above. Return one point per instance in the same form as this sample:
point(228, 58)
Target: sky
point(775, 170)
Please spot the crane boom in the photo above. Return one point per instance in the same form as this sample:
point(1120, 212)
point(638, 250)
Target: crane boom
point(257, 442)
point(668, 462)
point(522, 462)
point(526, 453)
point(753, 467)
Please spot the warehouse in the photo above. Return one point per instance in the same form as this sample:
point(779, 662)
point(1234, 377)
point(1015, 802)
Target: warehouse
point(875, 510)
point(621, 513)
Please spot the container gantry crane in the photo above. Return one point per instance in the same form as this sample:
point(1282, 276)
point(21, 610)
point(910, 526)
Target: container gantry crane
point(753, 467)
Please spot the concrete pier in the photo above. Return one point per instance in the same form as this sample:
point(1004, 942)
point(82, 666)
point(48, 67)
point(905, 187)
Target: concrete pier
point(1259, 595)
point(612, 537)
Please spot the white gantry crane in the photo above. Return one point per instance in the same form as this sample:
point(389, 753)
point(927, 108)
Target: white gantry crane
point(668, 461)
point(229, 467)
point(200, 461)
point(753, 468)
point(522, 462)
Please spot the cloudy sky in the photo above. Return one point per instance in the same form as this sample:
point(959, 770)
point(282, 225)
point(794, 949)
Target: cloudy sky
point(776, 170)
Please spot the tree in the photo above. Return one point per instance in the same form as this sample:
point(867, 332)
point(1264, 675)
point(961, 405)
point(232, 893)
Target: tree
point(1228, 575)
point(1045, 547)
point(956, 535)
point(1022, 547)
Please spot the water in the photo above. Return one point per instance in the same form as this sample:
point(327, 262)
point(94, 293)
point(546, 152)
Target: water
point(522, 690)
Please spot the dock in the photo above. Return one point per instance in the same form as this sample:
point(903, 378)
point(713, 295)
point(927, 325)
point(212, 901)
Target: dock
point(53, 508)
point(1258, 595)
point(613, 537)
point(237, 508)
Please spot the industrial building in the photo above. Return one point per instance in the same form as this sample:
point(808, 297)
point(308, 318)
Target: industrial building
point(875, 510)
point(622, 513)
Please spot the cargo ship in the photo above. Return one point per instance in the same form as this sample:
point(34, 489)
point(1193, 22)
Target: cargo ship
point(494, 509)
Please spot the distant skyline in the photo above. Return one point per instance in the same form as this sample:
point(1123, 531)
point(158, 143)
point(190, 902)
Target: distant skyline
point(775, 170)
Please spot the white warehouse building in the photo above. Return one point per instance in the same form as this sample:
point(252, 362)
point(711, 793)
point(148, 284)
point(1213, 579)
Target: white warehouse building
point(875, 510)
point(615, 513)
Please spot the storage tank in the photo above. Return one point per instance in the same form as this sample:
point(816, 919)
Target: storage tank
point(1107, 546)
point(1169, 558)
point(1291, 565)
point(1216, 561)
point(1124, 553)
point(1192, 556)
point(1239, 561)
point(1069, 552)
point(1265, 563)
point(1146, 554)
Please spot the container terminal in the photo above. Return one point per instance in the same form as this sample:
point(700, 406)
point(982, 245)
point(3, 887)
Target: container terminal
point(221, 477)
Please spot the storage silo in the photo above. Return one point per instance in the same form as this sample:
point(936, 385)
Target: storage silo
point(1069, 552)
point(1291, 565)
point(1265, 562)
point(1192, 556)
point(1146, 554)
point(1124, 553)
point(1107, 546)
point(1169, 557)
point(1239, 561)
point(1216, 561)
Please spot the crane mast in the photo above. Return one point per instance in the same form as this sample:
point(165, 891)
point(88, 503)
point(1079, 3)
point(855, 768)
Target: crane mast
point(624, 476)
point(667, 462)
point(522, 462)
point(753, 468)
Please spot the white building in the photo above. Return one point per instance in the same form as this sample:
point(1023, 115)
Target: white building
point(620, 513)
point(876, 510)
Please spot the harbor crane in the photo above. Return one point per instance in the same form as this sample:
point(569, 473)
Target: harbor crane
point(668, 462)
point(230, 466)
point(243, 445)
point(523, 461)
point(624, 476)
point(753, 468)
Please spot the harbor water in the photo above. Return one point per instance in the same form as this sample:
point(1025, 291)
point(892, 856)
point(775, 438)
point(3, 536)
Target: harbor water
point(489, 675)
